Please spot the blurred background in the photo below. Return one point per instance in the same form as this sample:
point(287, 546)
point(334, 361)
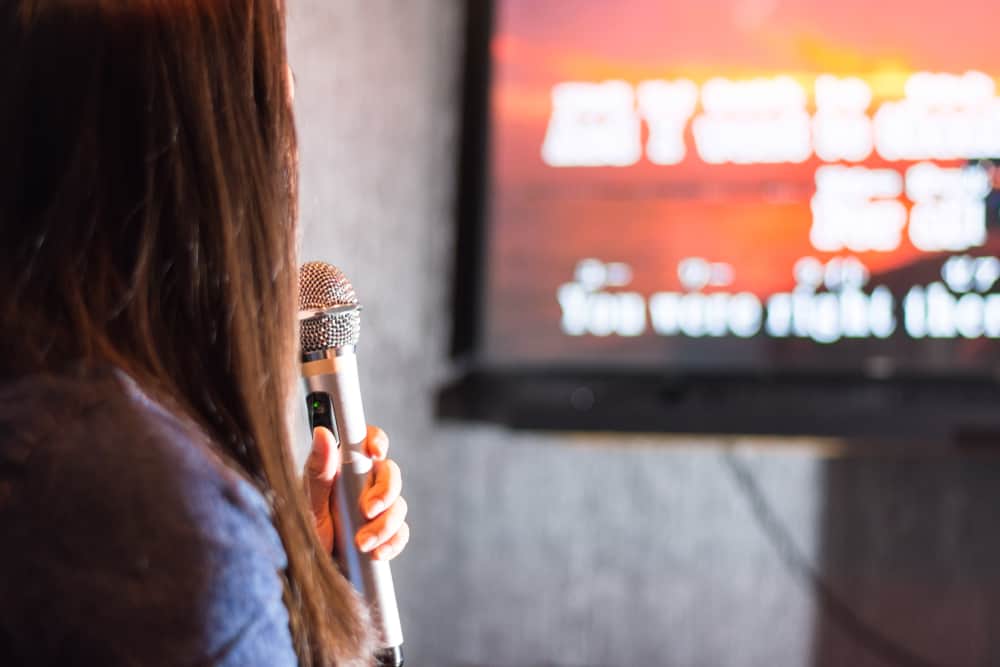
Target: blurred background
point(602, 549)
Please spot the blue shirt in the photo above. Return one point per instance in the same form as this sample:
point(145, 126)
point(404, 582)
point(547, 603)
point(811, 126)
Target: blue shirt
point(125, 539)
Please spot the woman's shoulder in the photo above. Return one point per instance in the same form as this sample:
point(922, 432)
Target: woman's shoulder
point(134, 538)
point(96, 432)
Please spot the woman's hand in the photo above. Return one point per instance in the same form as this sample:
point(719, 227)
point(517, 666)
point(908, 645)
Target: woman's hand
point(386, 531)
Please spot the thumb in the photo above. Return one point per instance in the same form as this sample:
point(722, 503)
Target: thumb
point(321, 470)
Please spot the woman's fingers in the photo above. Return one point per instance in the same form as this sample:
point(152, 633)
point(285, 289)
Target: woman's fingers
point(382, 528)
point(385, 483)
point(376, 443)
point(395, 545)
point(386, 533)
point(321, 470)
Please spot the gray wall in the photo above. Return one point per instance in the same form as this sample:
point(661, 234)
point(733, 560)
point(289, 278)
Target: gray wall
point(593, 550)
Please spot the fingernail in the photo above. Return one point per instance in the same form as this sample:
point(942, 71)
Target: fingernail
point(375, 509)
point(368, 542)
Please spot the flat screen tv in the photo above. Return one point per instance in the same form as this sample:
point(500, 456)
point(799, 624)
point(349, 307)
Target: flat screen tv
point(746, 216)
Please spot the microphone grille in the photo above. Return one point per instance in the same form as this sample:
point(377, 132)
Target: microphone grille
point(323, 286)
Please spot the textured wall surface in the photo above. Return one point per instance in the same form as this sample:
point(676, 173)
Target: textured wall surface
point(581, 551)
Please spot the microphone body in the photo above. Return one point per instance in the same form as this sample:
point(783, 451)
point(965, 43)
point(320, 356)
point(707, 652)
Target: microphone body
point(333, 399)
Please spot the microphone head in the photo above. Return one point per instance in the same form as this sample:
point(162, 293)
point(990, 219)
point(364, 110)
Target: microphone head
point(329, 314)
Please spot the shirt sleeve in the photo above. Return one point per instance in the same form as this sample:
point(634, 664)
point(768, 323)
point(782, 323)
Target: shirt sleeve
point(128, 542)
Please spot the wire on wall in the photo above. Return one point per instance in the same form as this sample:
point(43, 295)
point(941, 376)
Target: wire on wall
point(830, 604)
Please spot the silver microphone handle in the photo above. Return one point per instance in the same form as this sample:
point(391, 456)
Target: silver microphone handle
point(335, 373)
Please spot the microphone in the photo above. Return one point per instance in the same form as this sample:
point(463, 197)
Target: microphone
point(329, 328)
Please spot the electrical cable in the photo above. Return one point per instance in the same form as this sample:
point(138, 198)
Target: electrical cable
point(830, 604)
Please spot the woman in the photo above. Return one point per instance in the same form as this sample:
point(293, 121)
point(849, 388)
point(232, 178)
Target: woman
point(150, 512)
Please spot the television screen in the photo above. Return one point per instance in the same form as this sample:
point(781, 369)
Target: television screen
point(746, 184)
point(776, 187)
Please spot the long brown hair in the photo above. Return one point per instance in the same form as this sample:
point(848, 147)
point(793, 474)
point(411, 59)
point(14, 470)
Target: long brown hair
point(147, 212)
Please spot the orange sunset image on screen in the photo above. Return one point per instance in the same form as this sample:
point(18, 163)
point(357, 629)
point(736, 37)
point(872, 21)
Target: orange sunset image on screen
point(749, 149)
